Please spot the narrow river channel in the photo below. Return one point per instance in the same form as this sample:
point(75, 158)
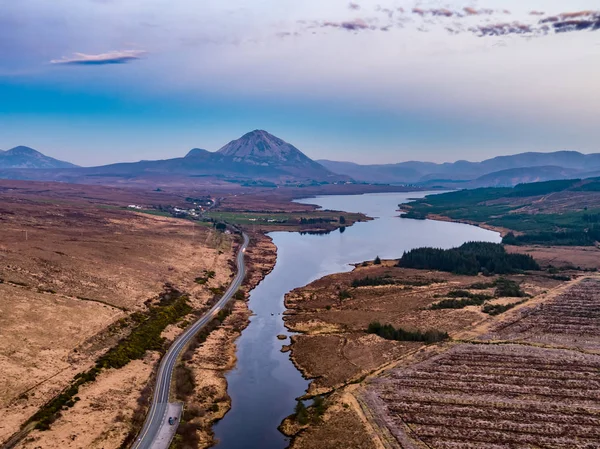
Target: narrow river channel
point(265, 384)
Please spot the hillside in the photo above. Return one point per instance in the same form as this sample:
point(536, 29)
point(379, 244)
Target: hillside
point(25, 157)
point(513, 176)
point(498, 171)
point(561, 212)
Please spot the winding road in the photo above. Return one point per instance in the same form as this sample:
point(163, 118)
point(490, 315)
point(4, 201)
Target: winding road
point(157, 418)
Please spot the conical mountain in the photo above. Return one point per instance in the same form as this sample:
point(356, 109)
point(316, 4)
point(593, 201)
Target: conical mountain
point(261, 148)
point(25, 157)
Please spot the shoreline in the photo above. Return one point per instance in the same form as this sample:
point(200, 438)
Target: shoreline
point(502, 231)
point(262, 256)
point(405, 208)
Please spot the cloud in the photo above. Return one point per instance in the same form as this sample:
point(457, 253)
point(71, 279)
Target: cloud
point(439, 12)
point(487, 22)
point(388, 12)
point(351, 25)
point(112, 57)
point(560, 23)
point(574, 21)
point(577, 25)
point(353, 6)
point(481, 12)
point(570, 15)
point(503, 29)
point(465, 12)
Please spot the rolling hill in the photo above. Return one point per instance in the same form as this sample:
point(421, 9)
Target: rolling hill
point(501, 171)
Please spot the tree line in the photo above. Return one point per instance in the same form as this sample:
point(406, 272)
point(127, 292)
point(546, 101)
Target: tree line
point(579, 237)
point(469, 259)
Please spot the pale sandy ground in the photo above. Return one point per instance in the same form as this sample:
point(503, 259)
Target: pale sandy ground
point(46, 339)
point(100, 420)
point(107, 404)
point(586, 257)
point(38, 333)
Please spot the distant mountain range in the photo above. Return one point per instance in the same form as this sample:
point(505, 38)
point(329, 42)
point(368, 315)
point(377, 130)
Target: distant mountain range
point(256, 156)
point(259, 157)
point(499, 171)
point(25, 157)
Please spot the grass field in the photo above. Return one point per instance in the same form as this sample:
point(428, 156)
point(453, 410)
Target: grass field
point(315, 218)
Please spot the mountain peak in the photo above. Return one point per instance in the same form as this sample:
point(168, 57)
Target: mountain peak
point(22, 150)
point(262, 148)
point(25, 157)
point(197, 152)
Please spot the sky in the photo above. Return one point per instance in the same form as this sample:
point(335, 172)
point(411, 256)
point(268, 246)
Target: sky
point(102, 81)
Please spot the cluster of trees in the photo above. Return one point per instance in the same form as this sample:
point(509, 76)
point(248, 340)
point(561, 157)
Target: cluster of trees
point(505, 288)
point(344, 294)
point(497, 309)
point(542, 188)
point(220, 226)
point(459, 299)
point(373, 281)
point(208, 274)
point(591, 218)
point(577, 237)
point(147, 335)
point(388, 332)
point(306, 221)
point(184, 382)
point(470, 259)
point(304, 415)
point(414, 214)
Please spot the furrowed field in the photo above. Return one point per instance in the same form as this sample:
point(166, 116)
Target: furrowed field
point(533, 381)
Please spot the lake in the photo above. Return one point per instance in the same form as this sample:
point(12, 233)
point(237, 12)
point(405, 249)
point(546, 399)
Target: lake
point(265, 384)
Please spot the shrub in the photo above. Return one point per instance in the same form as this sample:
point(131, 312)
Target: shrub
point(497, 309)
point(507, 288)
point(300, 413)
point(344, 294)
point(184, 382)
point(372, 281)
point(481, 286)
point(461, 299)
point(388, 332)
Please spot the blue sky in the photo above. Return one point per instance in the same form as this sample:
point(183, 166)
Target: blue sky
point(101, 81)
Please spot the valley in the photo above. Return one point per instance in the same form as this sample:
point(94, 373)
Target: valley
point(339, 296)
point(299, 225)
